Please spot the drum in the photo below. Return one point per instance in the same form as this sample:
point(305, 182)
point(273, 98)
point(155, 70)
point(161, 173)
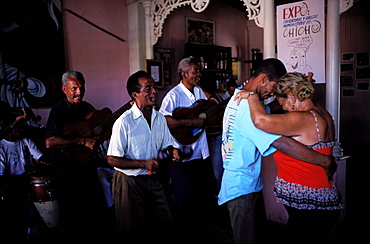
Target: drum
point(49, 212)
point(40, 188)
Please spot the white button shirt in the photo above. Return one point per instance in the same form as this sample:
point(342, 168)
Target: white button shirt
point(180, 96)
point(132, 138)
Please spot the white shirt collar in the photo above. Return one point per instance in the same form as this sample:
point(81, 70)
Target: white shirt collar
point(137, 113)
point(197, 91)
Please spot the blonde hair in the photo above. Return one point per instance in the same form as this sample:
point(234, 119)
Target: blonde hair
point(295, 83)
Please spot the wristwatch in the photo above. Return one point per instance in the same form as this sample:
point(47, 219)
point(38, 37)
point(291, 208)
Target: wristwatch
point(251, 93)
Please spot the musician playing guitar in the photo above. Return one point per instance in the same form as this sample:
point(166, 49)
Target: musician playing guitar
point(189, 177)
point(76, 185)
point(70, 109)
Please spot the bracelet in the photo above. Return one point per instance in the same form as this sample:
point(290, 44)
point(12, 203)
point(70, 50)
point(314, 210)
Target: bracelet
point(251, 93)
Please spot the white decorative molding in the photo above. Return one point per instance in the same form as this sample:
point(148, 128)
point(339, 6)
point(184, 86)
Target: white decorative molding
point(162, 8)
point(255, 11)
point(344, 5)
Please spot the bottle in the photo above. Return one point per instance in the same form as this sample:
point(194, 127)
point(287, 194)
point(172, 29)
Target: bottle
point(217, 83)
point(201, 63)
point(225, 62)
point(221, 61)
point(217, 61)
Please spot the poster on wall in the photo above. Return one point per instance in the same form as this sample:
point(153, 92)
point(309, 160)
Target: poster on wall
point(301, 37)
point(32, 55)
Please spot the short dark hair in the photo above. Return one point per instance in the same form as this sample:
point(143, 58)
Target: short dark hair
point(231, 83)
point(133, 82)
point(272, 67)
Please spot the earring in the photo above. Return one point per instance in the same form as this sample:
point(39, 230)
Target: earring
point(293, 106)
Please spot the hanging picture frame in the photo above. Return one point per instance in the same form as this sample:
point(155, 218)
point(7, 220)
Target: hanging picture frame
point(200, 31)
point(155, 69)
point(164, 54)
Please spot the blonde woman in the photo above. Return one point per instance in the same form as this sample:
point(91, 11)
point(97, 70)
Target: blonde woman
point(306, 190)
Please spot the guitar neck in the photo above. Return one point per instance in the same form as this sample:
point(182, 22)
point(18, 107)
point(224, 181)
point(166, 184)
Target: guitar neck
point(217, 107)
point(113, 117)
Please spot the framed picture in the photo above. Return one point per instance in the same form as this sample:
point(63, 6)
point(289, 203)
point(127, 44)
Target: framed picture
point(346, 57)
point(363, 73)
point(164, 54)
point(346, 67)
point(346, 80)
point(155, 70)
point(363, 59)
point(363, 86)
point(200, 31)
point(348, 92)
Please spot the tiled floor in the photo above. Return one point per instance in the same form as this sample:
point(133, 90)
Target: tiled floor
point(219, 232)
point(355, 229)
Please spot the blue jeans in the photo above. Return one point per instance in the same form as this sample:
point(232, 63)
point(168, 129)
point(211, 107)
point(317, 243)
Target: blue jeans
point(214, 144)
point(105, 176)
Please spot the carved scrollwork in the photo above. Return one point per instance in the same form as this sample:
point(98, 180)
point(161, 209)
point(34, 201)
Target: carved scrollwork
point(199, 5)
point(344, 5)
point(162, 8)
point(254, 9)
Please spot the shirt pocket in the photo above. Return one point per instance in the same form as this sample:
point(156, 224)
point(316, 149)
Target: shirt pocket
point(159, 136)
point(138, 145)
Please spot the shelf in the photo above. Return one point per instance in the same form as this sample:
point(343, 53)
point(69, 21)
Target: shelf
point(215, 64)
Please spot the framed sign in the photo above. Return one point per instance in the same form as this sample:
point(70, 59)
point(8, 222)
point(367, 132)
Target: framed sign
point(155, 70)
point(200, 31)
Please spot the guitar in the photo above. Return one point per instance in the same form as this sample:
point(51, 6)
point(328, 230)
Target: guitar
point(205, 109)
point(97, 125)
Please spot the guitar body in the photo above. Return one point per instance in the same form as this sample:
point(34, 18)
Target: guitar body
point(188, 135)
point(96, 125)
point(85, 129)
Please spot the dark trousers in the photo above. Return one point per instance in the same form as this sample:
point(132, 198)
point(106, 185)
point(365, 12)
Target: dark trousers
point(81, 200)
point(195, 190)
point(311, 226)
point(243, 217)
point(142, 211)
point(14, 205)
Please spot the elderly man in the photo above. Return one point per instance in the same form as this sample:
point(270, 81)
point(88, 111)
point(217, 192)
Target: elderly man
point(193, 178)
point(138, 136)
point(76, 183)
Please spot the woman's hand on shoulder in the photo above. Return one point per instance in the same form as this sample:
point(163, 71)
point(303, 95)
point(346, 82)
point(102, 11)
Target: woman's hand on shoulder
point(242, 94)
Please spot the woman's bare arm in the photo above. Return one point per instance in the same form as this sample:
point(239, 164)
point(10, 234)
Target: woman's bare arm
point(289, 124)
